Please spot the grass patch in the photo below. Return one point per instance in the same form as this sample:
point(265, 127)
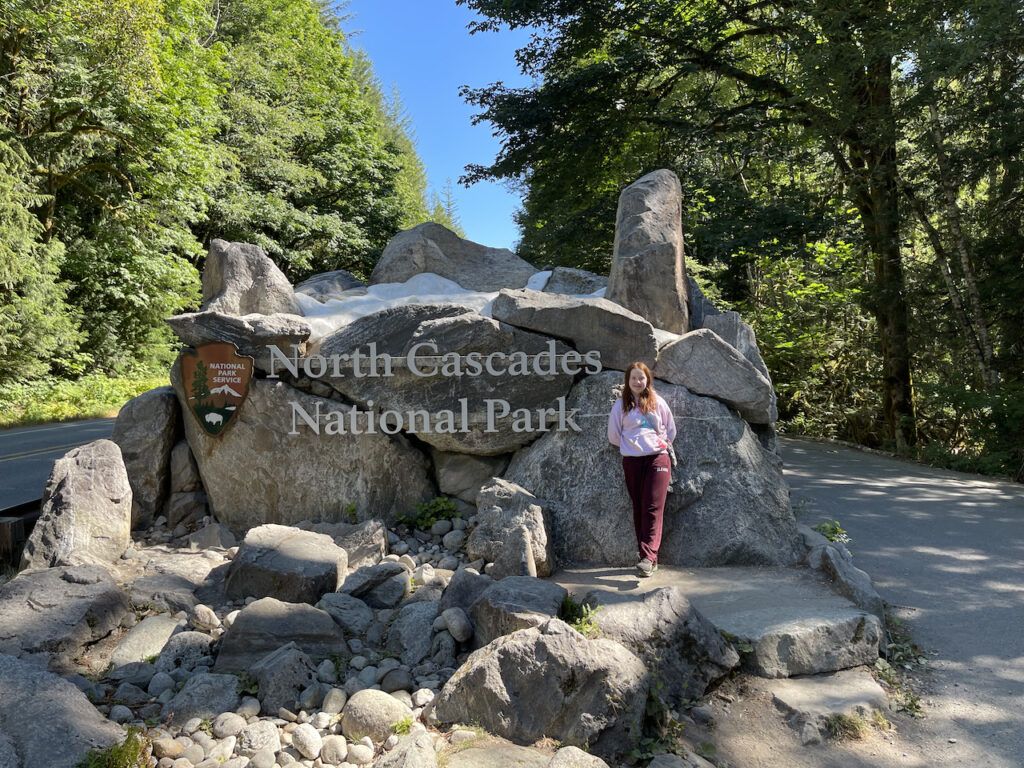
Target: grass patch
point(133, 752)
point(92, 396)
point(579, 617)
point(846, 727)
point(402, 727)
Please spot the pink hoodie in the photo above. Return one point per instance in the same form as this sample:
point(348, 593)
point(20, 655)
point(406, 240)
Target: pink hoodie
point(633, 437)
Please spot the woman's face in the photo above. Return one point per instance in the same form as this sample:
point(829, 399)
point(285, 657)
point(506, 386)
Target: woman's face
point(637, 381)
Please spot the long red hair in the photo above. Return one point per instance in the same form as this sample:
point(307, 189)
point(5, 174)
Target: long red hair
point(646, 401)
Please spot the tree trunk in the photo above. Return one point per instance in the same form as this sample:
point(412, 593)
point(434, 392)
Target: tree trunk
point(882, 224)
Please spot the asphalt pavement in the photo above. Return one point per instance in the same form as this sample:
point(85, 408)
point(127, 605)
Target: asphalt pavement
point(946, 551)
point(27, 455)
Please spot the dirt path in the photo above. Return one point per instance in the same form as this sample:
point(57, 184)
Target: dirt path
point(946, 551)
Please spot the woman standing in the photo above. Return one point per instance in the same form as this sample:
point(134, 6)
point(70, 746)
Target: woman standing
point(641, 425)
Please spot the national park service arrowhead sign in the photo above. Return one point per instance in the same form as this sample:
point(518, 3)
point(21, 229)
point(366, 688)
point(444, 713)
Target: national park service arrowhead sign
point(216, 382)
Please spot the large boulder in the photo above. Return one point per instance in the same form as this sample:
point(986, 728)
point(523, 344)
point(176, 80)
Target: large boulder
point(240, 279)
point(58, 611)
point(287, 563)
point(730, 506)
point(462, 475)
point(329, 285)
point(282, 675)
point(706, 365)
point(145, 639)
point(518, 602)
point(87, 510)
point(268, 624)
point(574, 282)
point(684, 651)
point(733, 331)
point(45, 720)
point(433, 359)
point(248, 484)
point(145, 431)
point(648, 273)
point(251, 334)
point(551, 682)
point(503, 508)
point(590, 325)
point(379, 586)
point(433, 248)
point(410, 633)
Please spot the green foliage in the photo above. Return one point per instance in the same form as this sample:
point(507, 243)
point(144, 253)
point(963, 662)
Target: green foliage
point(349, 513)
point(248, 684)
point(579, 617)
point(401, 727)
point(429, 512)
point(832, 531)
point(133, 752)
point(90, 396)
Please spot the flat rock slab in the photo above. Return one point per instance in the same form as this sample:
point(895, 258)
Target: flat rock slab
point(851, 692)
point(789, 616)
point(493, 753)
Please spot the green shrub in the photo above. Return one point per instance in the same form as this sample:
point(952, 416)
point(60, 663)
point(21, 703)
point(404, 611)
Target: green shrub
point(133, 752)
point(579, 617)
point(429, 512)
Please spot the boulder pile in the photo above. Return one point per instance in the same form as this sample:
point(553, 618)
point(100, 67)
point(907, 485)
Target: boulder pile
point(271, 595)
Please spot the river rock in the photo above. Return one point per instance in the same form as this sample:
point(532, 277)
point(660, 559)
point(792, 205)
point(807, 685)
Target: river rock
point(415, 750)
point(464, 589)
point(145, 639)
point(58, 611)
point(351, 613)
point(87, 510)
point(514, 603)
point(410, 633)
point(703, 363)
point(379, 586)
point(240, 279)
point(248, 483)
point(600, 325)
point(731, 505)
point(460, 409)
point(145, 431)
point(504, 507)
point(372, 713)
point(648, 273)
point(433, 248)
point(203, 696)
point(550, 681)
point(683, 651)
point(574, 282)
point(574, 757)
point(282, 675)
point(185, 650)
point(268, 624)
point(249, 333)
point(45, 720)
point(287, 563)
point(329, 285)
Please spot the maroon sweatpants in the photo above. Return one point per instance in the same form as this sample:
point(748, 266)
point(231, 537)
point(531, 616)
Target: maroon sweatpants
point(647, 481)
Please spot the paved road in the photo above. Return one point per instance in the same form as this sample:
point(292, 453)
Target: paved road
point(946, 549)
point(27, 455)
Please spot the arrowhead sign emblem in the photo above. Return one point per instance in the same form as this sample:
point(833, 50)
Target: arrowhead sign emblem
point(216, 382)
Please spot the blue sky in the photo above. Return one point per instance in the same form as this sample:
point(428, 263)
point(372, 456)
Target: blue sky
point(422, 47)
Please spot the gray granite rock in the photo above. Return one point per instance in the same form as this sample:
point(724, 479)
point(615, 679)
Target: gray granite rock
point(240, 279)
point(87, 510)
point(648, 272)
point(503, 507)
point(203, 696)
point(250, 333)
point(514, 603)
point(574, 282)
point(287, 563)
point(145, 431)
point(433, 248)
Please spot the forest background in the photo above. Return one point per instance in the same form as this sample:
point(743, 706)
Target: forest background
point(851, 183)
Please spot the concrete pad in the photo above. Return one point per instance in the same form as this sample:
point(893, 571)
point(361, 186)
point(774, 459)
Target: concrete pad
point(851, 692)
point(785, 621)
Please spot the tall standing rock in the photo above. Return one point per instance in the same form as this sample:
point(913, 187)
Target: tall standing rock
point(240, 279)
point(87, 510)
point(145, 432)
point(648, 274)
